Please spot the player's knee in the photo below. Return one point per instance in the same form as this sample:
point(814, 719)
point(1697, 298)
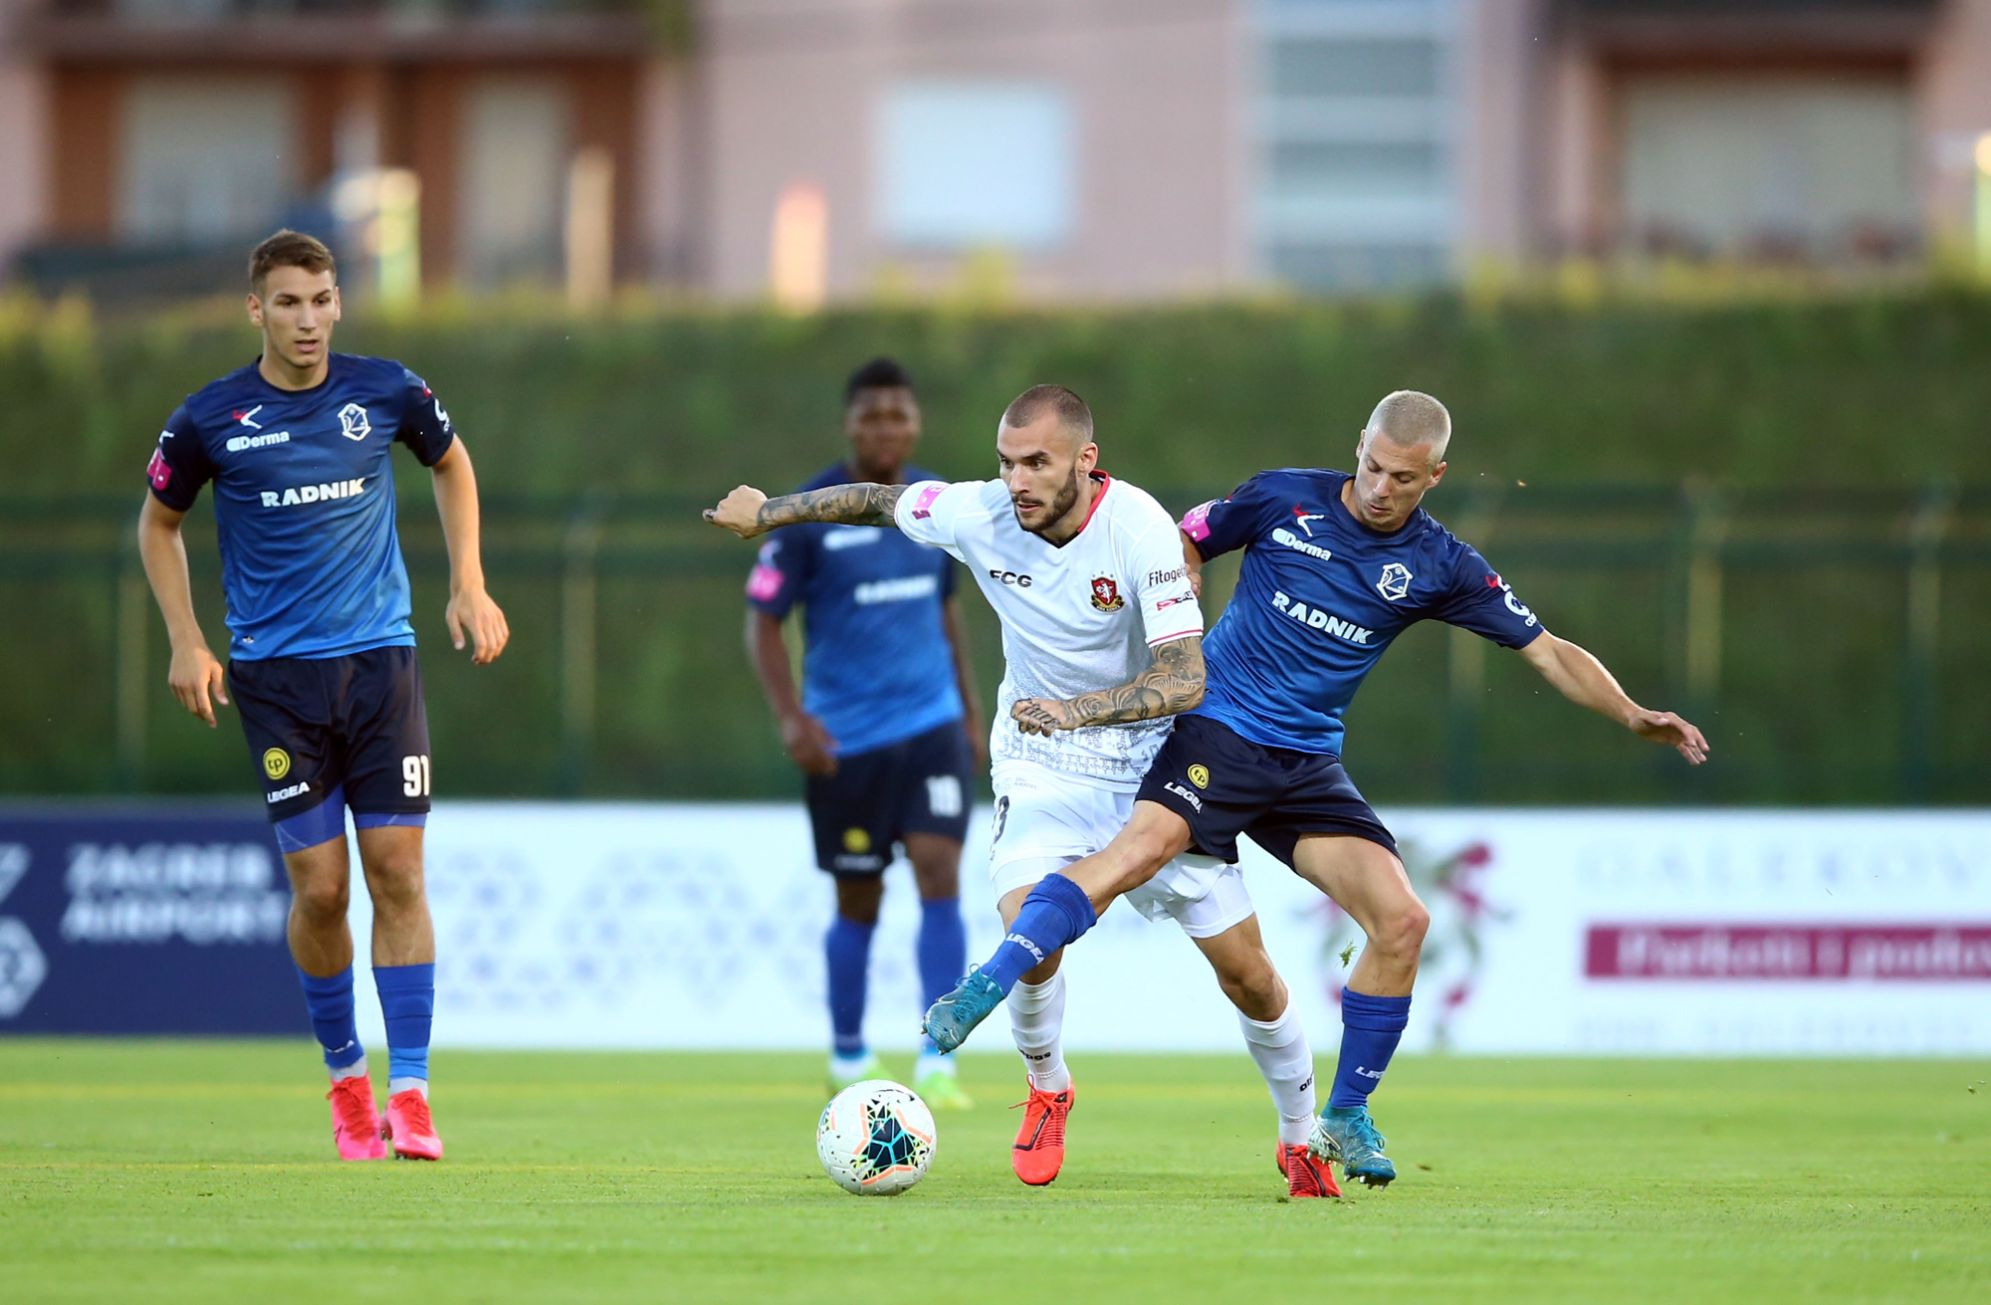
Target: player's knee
point(395, 883)
point(1403, 930)
point(322, 903)
point(1255, 989)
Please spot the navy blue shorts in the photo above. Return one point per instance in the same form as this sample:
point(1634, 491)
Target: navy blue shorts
point(349, 727)
point(919, 785)
point(1225, 785)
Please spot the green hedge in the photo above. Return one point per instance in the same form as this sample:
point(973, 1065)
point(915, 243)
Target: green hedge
point(651, 414)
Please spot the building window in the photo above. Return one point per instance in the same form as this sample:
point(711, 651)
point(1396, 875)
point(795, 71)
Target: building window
point(1356, 142)
point(974, 163)
point(204, 162)
point(514, 186)
point(1768, 166)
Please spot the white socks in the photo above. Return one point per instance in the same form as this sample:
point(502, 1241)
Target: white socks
point(1037, 1019)
point(355, 1070)
point(1287, 1062)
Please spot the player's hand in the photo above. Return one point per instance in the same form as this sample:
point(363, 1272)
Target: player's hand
point(198, 681)
point(1675, 732)
point(809, 745)
point(1044, 716)
point(473, 611)
point(739, 512)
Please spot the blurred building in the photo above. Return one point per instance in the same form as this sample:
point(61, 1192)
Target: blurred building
point(1083, 148)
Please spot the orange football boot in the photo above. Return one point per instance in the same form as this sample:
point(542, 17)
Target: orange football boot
point(355, 1127)
point(1305, 1175)
point(408, 1127)
point(1040, 1143)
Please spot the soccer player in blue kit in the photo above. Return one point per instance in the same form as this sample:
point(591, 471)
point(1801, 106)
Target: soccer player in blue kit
point(321, 656)
point(1335, 567)
point(888, 729)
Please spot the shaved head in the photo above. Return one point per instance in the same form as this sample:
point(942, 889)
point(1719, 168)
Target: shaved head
point(1040, 401)
point(1409, 418)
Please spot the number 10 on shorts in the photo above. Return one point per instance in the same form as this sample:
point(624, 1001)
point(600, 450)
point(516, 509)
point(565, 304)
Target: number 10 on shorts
point(415, 775)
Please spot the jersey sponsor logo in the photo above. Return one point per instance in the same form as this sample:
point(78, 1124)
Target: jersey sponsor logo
point(1106, 594)
point(1293, 541)
point(1195, 802)
point(1003, 577)
point(764, 583)
point(442, 417)
point(923, 505)
point(159, 471)
point(1156, 578)
point(278, 795)
point(238, 443)
point(1316, 619)
point(298, 495)
point(1394, 582)
point(1301, 517)
point(353, 422)
point(843, 537)
point(276, 763)
point(1166, 603)
point(902, 590)
point(1514, 604)
point(1199, 775)
point(248, 418)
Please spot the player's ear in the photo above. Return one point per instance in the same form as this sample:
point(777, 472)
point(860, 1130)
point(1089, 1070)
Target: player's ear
point(338, 304)
point(254, 305)
point(1438, 472)
point(1088, 458)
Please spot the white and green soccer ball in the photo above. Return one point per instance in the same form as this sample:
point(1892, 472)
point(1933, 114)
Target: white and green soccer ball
point(876, 1138)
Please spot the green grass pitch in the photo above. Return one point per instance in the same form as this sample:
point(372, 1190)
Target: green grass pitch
point(159, 1171)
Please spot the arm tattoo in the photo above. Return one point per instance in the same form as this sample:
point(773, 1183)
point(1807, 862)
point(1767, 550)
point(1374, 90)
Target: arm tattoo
point(852, 505)
point(1173, 684)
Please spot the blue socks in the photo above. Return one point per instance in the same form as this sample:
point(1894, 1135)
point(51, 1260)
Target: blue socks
point(330, 1002)
point(1056, 912)
point(1370, 1029)
point(943, 952)
point(408, 1002)
point(847, 955)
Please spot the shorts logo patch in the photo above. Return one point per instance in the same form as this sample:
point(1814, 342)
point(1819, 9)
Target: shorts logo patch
point(1106, 594)
point(1199, 775)
point(276, 763)
point(856, 841)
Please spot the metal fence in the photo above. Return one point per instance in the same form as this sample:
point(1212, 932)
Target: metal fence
point(1832, 643)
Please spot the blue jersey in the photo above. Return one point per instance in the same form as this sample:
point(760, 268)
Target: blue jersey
point(1320, 596)
point(304, 501)
point(876, 664)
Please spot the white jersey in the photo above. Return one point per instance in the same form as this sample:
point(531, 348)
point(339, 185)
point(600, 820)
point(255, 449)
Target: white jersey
point(1075, 619)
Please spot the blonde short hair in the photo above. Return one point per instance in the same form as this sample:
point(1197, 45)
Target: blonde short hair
point(1408, 418)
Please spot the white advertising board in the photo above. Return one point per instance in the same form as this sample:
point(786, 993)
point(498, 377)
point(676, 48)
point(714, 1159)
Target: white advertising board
point(1629, 932)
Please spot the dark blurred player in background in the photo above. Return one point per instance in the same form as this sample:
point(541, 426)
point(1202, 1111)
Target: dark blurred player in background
point(887, 730)
point(322, 657)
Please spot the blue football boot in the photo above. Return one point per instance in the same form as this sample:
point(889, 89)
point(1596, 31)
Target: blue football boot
point(1348, 1134)
point(950, 1020)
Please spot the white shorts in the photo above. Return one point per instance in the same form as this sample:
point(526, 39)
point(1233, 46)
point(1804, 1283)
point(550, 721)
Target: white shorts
point(1046, 819)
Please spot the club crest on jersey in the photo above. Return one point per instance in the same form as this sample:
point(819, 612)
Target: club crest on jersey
point(1106, 594)
point(353, 423)
point(1394, 583)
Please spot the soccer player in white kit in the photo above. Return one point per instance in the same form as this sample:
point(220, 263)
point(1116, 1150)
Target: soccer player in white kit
point(1102, 643)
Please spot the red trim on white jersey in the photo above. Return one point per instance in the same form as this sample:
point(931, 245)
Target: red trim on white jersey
point(1105, 483)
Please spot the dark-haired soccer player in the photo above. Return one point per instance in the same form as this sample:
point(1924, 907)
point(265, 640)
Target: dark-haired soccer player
point(322, 658)
point(887, 730)
point(1335, 567)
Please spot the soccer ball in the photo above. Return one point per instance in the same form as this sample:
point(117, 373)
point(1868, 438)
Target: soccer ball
point(876, 1138)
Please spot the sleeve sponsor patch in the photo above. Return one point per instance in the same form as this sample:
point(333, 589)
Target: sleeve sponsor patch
point(764, 583)
point(1196, 523)
point(159, 471)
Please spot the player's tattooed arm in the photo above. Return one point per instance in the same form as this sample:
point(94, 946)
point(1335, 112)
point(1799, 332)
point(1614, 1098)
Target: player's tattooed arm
point(1173, 684)
point(748, 512)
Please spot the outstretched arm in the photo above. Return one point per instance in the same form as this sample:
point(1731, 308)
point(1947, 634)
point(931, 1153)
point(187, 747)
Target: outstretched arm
point(1174, 683)
point(1582, 679)
point(748, 512)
